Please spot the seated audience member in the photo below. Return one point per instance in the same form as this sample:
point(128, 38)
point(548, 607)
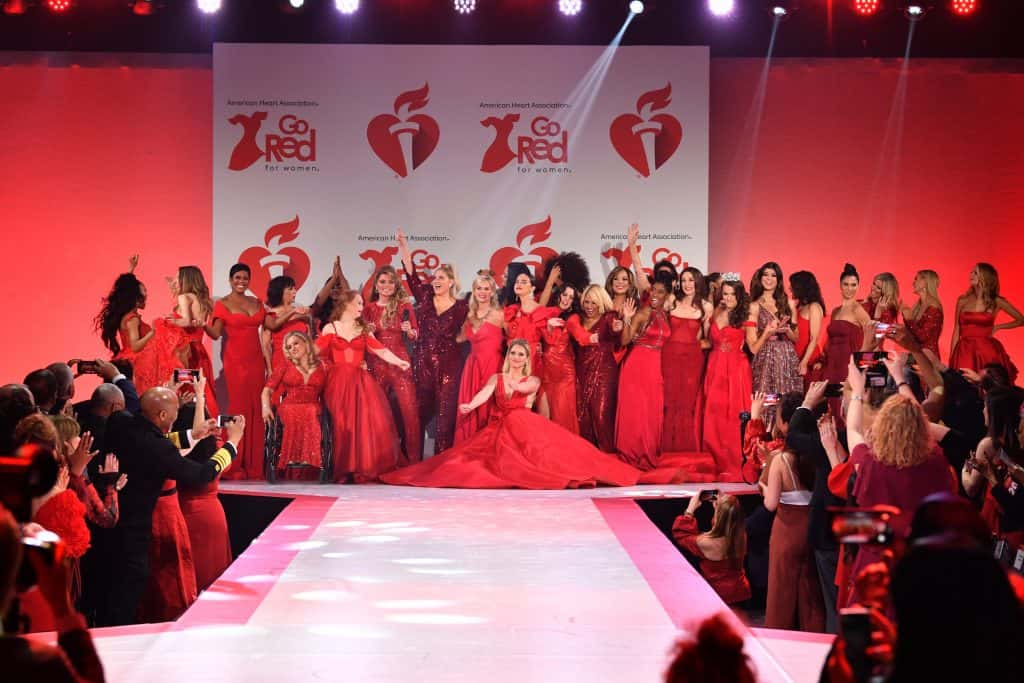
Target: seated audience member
point(43, 385)
point(721, 550)
point(16, 402)
point(74, 659)
point(65, 385)
point(716, 656)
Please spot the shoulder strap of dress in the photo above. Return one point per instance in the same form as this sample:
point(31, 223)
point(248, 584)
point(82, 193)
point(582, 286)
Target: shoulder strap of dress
point(792, 478)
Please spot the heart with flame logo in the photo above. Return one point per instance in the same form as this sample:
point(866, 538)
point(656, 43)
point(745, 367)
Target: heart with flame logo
point(528, 244)
point(401, 141)
point(644, 141)
point(272, 259)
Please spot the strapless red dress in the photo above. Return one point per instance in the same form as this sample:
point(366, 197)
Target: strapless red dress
point(728, 384)
point(483, 362)
point(682, 367)
point(977, 347)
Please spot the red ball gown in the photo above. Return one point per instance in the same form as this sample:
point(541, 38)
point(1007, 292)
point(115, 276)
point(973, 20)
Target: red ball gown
point(365, 440)
point(927, 328)
point(299, 412)
point(396, 382)
point(244, 372)
point(976, 347)
point(597, 384)
point(682, 367)
point(517, 449)
point(641, 403)
point(727, 389)
point(483, 362)
point(559, 375)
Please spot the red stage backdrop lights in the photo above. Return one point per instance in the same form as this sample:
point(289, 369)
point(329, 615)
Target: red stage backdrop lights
point(866, 8)
point(58, 5)
point(14, 6)
point(963, 7)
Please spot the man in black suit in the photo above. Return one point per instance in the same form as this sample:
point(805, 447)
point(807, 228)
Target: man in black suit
point(117, 393)
point(149, 456)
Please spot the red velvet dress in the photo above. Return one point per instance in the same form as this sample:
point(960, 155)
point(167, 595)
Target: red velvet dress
point(245, 373)
point(726, 576)
point(977, 347)
point(145, 362)
point(682, 367)
point(517, 449)
point(927, 328)
point(640, 409)
point(437, 360)
point(559, 378)
point(844, 338)
point(299, 411)
point(365, 440)
point(397, 383)
point(483, 362)
point(727, 391)
point(529, 326)
point(207, 531)
point(171, 587)
point(597, 385)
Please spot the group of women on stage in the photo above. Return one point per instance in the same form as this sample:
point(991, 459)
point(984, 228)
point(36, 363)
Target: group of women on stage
point(574, 384)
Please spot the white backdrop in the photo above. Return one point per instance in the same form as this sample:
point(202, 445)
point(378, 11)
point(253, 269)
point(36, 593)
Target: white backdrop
point(482, 154)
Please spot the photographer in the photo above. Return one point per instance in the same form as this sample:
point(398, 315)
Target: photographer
point(722, 549)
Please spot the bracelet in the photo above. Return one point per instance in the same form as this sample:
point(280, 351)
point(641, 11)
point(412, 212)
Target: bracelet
point(901, 385)
point(856, 397)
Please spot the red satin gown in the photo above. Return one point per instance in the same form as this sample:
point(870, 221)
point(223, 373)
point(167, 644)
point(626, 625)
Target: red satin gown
point(299, 412)
point(145, 362)
point(682, 367)
point(397, 383)
point(559, 375)
point(641, 403)
point(530, 326)
point(976, 347)
point(727, 389)
point(927, 328)
point(517, 449)
point(365, 440)
point(483, 362)
point(597, 384)
point(245, 373)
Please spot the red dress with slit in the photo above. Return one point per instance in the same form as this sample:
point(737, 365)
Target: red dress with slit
point(641, 404)
point(397, 383)
point(244, 373)
point(517, 449)
point(299, 412)
point(597, 384)
point(976, 347)
point(727, 389)
point(483, 362)
point(559, 378)
point(682, 367)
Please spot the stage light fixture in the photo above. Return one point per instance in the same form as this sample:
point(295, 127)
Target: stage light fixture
point(208, 6)
point(636, 7)
point(346, 6)
point(58, 6)
point(465, 6)
point(963, 8)
point(570, 8)
point(916, 11)
point(14, 6)
point(296, 4)
point(866, 8)
point(721, 8)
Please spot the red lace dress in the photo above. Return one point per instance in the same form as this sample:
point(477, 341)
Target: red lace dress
point(597, 384)
point(976, 347)
point(145, 362)
point(927, 328)
point(727, 391)
point(365, 440)
point(726, 576)
point(641, 403)
point(277, 358)
point(483, 362)
point(299, 411)
point(397, 383)
point(682, 367)
point(559, 378)
point(244, 373)
point(517, 449)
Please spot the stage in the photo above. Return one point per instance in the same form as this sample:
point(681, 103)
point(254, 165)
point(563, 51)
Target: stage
point(381, 583)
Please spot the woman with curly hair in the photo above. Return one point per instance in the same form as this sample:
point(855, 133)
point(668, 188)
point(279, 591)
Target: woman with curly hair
point(124, 332)
point(300, 384)
point(773, 339)
point(974, 344)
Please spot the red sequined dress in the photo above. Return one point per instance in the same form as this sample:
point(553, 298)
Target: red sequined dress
point(597, 384)
point(727, 391)
point(483, 362)
point(299, 412)
point(397, 383)
point(776, 364)
point(682, 367)
point(641, 403)
point(559, 375)
point(927, 328)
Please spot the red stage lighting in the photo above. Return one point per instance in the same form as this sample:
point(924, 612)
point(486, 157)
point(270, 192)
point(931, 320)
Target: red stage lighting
point(143, 8)
point(15, 6)
point(866, 8)
point(963, 8)
point(58, 6)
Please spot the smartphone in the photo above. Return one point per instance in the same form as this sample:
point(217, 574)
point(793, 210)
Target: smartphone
point(866, 359)
point(405, 315)
point(884, 330)
point(772, 399)
point(185, 375)
point(88, 367)
point(863, 526)
point(855, 629)
point(224, 420)
point(833, 390)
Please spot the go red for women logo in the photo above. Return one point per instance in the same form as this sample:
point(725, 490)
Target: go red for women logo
point(401, 141)
point(274, 259)
point(293, 140)
point(622, 258)
point(529, 250)
point(544, 141)
point(423, 261)
point(646, 140)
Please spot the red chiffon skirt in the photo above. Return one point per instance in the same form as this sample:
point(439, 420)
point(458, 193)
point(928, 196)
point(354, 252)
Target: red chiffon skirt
point(682, 366)
point(365, 440)
point(172, 573)
point(641, 408)
point(207, 532)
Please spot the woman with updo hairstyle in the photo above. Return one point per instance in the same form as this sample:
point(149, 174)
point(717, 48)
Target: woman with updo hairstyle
point(810, 325)
point(848, 326)
point(682, 363)
point(974, 344)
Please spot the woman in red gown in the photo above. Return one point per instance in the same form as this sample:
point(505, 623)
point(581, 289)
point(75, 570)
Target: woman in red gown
point(125, 333)
point(974, 345)
point(597, 370)
point(283, 316)
point(393, 320)
point(727, 381)
point(180, 335)
point(559, 378)
point(682, 363)
point(300, 384)
point(640, 407)
point(483, 330)
point(722, 549)
point(517, 448)
point(365, 440)
point(924, 319)
point(882, 306)
point(238, 317)
point(810, 316)
point(847, 325)
point(526, 319)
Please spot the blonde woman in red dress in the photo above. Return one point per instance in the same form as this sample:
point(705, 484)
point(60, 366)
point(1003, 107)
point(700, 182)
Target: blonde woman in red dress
point(300, 384)
point(974, 343)
point(924, 318)
point(484, 330)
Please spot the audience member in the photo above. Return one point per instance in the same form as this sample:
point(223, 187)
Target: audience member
point(722, 549)
point(43, 385)
point(16, 402)
point(715, 656)
point(65, 385)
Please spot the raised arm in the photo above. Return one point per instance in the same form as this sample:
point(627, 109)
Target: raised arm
point(643, 283)
point(1011, 310)
point(553, 279)
point(481, 396)
point(632, 321)
point(855, 411)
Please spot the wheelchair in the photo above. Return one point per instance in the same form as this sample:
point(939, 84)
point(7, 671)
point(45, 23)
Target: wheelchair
point(274, 437)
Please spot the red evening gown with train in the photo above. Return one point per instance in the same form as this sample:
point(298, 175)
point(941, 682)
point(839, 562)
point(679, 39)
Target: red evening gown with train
point(682, 367)
point(244, 372)
point(483, 362)
point(397, 383)
point(727, 389)
point(597, 384)
point(559, 374)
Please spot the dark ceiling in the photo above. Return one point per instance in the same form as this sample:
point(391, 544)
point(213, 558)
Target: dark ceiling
point(994, 31)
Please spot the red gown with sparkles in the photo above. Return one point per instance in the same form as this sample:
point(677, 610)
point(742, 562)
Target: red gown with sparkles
point(365, 440)
point(245, 373)
point(517, 449)
point(727, 389)
point(559, 378)
point(641, 403)
point(396, 382)
point(927, 328)
point(597, 384)
point(530, 326)
point(976, 347)
point(299, 411)
point(682, 367)
point(483, 362)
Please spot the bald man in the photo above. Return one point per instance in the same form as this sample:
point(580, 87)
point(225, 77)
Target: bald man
point(149, 456)
point(65, 384)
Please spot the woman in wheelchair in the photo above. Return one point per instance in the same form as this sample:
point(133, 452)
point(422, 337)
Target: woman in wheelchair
point(300, 382)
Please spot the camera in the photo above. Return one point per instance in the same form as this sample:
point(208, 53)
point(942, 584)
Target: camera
point(224, 420)
point(183, 375)
point(772, 399)
point(876, 374)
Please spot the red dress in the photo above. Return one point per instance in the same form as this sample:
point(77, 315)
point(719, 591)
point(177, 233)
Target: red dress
point(927, 328)
point(395, 381)
point(365, 440)
point(517, 449)
point(145, 362)
point(682, 367)
point(181, 347)
point(207, 531)
point(171, 587)
point(726, 576)
point(803, 340)
point(244, 372)
point(483, 362)
point(727, 390)
point(976, 347)
point(844, 338)
point(641, 403)
point(299, 411)
point(559, 378)
point(597, 384)
point(277, 340)
point(529, 326)
point(886, 315)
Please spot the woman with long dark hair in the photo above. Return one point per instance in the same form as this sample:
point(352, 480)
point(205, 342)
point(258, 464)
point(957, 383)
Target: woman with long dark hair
point(682, 363)
point(559, 378)
point(772, 341)
point(848, 324)
point(123, 330)
point(810, 327)
point(484, 330)
point(974, 344)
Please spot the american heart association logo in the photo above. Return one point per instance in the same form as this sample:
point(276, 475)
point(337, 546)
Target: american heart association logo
point(272, 260)
point(528, 249)
point(401, 141)
point(646, 142)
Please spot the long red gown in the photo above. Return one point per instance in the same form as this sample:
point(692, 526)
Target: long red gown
point(395, 381)
point(171, 587)
point(682, 367)
point(559, 378)
point(299, 411)
point(207, 531)
point(245, 373)
point(597, 385)
point(727, 389)
point(365, 440)
point(517, 449)
point(641, 404)
point(483, 362)
point(976, 347)
point(927, 328)
point(803, 340)
point(844, 338)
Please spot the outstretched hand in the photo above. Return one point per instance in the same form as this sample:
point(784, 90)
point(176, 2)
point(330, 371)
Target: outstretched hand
point(634, 233)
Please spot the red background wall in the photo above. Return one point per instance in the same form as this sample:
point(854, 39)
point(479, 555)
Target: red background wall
point(108, 155)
